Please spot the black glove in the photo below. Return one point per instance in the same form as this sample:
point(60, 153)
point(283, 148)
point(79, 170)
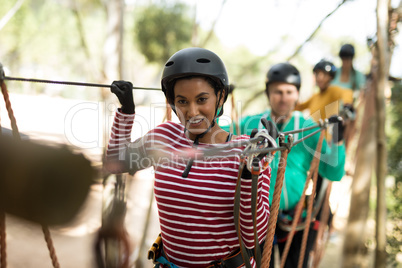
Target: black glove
point(271, 127)
point(338, 129)
point(349, 107)
point(349, 112)
point(124, 92)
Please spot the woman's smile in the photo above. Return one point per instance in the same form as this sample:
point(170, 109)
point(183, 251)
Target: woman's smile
point(195, 122)
point(195, 101)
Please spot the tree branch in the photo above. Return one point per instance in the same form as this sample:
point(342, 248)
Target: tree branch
point(316, 30)
point(213, 25)
point(10, 13)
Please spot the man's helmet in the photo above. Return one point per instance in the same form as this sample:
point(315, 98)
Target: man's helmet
point(347, 51)
point(194, 61)
point(284, 72)
point(325, 66)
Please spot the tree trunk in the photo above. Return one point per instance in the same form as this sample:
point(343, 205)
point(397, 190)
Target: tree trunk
point(112, 54)
point(382, 70)
point(113, 47)
point(372, 142)
point(354, 249)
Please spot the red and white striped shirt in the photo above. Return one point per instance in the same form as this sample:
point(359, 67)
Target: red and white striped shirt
point(196, 213)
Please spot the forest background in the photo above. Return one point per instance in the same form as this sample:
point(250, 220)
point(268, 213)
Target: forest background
point(77, 40)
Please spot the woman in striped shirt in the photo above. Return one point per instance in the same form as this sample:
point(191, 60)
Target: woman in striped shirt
point(195, 199)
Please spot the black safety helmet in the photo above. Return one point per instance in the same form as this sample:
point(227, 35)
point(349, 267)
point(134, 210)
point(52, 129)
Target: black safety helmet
point(325, 66)
point(283, 72)
point(347, 51)
point(195, 61)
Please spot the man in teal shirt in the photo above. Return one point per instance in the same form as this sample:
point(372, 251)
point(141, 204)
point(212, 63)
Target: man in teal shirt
point(282, 89)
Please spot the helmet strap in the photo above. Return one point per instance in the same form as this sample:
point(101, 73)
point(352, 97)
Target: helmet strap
point(199, 136)
point(195, 144)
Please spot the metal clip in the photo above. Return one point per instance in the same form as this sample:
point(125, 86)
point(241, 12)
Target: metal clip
point(281, 139)
point(264, 143)
point(290, 141)
point(288, 144)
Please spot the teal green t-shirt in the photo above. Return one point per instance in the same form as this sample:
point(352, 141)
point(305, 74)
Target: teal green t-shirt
point(332, 159)
point(356, 82)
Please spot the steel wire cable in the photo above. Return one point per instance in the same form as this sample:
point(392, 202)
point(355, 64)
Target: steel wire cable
point(68, 83)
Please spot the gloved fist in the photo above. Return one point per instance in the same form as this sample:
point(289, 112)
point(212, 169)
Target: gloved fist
point(349, 112)
point(124, 92)
point(271, 128)
point(349, 107)
point(338, 128)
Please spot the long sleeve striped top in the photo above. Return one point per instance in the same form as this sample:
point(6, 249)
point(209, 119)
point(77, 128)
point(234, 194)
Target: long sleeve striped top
point(195, 213)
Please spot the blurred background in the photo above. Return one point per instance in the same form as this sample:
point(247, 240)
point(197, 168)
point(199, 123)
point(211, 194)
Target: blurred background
point(99, 41)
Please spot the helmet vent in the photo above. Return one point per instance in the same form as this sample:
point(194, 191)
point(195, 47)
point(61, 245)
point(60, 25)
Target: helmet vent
point(170, 63)
point(203, 60)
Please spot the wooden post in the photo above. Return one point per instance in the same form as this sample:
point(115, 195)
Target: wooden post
point(354, 250)
point(384, 52)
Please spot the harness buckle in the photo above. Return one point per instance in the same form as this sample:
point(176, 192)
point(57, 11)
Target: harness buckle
point(217, 264)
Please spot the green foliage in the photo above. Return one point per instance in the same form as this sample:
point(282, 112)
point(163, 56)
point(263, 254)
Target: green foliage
point(394, 235)
point(394, 197)
point(42, 40)
point(162, 29)
point(395, 139)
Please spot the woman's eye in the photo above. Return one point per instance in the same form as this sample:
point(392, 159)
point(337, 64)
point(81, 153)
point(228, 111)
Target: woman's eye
point(202, 99)
point(181, 101)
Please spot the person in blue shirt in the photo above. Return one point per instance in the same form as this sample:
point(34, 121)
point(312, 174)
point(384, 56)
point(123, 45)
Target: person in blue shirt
point(347, 76)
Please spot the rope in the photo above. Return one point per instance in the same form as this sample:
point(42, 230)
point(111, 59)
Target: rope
point(68, 83)
point(310, 205)
point(3, 253)
point(49, 243)
point(320, 243)
point(236, 213)
point(10, 111)
point(17, 136)
point(266, 258)
point(299, 207)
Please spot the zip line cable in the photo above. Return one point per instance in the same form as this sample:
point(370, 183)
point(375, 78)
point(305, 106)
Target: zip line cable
point(68, 83)
point(214, 151)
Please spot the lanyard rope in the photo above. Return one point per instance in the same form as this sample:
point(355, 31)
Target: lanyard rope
point(313, 172)
point(310, 202)
point(266, 258)
point(321, 241)
point(236, 212)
